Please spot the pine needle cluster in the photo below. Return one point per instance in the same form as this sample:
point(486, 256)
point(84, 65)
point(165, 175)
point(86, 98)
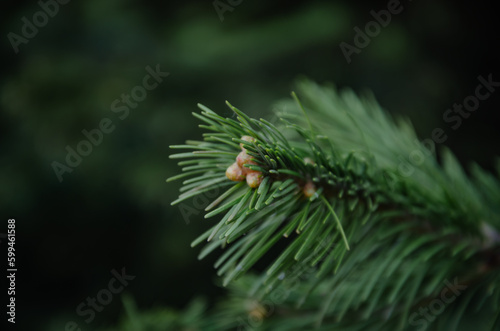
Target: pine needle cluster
point(365, 245)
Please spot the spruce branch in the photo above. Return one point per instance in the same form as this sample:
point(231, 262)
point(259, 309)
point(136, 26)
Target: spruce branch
point(324, 182)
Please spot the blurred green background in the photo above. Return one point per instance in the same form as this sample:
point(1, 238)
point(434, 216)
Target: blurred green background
point(113, 210)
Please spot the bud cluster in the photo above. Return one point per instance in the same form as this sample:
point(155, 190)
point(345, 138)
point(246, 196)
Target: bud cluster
point(238, 172)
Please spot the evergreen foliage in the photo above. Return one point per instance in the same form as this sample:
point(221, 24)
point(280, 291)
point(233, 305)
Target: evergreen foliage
point(347, 238)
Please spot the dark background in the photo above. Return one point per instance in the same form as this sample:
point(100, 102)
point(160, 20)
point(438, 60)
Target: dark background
point(113, 210)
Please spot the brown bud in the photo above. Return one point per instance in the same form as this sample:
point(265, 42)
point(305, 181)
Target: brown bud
point(248, 139)
point(309, 189)
point(235, 173)
point(308, 160)
point(254, 179)
point(242, 159)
